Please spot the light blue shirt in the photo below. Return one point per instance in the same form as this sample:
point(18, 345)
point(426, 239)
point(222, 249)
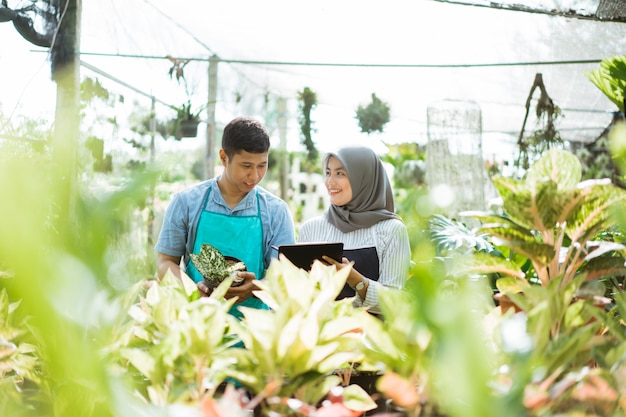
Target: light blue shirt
point(181, 218)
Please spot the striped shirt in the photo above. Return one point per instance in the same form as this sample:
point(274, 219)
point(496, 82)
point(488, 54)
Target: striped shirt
point(389, 237)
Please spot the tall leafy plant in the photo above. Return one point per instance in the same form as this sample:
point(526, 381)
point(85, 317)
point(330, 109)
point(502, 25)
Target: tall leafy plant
point(308, 102)
point(374, 116)
point(555, 270)
point(551, 218)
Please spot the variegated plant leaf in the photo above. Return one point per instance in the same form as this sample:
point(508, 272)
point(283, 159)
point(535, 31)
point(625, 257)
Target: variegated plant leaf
point(508, 232)
point(519, 202)
point(547, 195)
point(603, 267)
point(561, 167)
point(510, 285)
point(596, 210)
point(283, 281)
point(356, 398)
point(537, 207)
point(210, 263)
point(539, 253)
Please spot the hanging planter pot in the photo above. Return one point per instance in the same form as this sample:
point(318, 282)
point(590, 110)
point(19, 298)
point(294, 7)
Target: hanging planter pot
point(187, 129)
point(186, 121)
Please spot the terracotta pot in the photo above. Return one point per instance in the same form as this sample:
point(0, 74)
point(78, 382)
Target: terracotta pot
point(505, 303)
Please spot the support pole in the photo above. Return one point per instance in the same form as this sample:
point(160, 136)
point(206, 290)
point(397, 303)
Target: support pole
point(210, 127)
point(150, 202)
point(66, 74)
point(283, 154)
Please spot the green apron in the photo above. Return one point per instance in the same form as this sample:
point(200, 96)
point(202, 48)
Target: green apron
point(238, 236)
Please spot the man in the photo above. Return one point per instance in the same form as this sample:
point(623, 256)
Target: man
point(230, 212)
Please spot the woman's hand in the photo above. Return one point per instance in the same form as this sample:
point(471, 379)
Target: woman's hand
point(353, 278)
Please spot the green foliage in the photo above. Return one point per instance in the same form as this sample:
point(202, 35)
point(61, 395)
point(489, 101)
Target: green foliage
point(401, 153)
point(184, 112)
point(140, 122)
point(552, 221)
point(57, 254)
point(617, 145)
point(374, 116)
point(20, 363)
point(450, 236)
point(91, 89)
point(409, 164)
point(610, 78)
point(308, 102)
point(436, 349)
point(292, 351)
point(28, 134)
point(74, 343)
point(173, 344)
point(551, 217)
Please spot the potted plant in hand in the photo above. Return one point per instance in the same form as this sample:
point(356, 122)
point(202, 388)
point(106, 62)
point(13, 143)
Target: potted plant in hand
point(215, 267)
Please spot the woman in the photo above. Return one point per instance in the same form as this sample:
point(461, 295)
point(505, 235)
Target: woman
point(361, 215)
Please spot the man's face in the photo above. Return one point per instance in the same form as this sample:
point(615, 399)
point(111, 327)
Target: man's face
point(245, 170)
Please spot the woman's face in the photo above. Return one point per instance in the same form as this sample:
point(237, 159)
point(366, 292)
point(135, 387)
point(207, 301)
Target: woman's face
point(337, 183)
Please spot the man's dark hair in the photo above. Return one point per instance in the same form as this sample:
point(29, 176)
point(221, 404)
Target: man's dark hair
point(245, 134)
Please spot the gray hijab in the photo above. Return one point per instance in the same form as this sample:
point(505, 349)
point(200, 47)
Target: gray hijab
point(372, 197)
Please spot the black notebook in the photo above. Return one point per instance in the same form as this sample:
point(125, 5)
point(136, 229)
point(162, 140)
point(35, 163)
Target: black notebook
point(302, 255)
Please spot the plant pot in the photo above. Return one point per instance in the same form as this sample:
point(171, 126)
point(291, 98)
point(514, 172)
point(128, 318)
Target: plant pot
point(505, 303)
point(187, 129)
point(230, 260)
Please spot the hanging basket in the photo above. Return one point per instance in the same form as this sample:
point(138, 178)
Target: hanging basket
point(187, 129)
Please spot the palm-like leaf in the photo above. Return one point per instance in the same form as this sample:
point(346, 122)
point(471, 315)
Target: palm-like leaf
point(610, 78)
point(452, 236)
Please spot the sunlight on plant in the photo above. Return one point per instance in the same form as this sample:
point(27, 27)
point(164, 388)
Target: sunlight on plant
point(295, 348)
point(173, 343)
point(54, 263)
point(86, 330)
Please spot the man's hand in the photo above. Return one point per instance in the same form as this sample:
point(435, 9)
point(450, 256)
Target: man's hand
point(167, 263)
point(242, 292)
